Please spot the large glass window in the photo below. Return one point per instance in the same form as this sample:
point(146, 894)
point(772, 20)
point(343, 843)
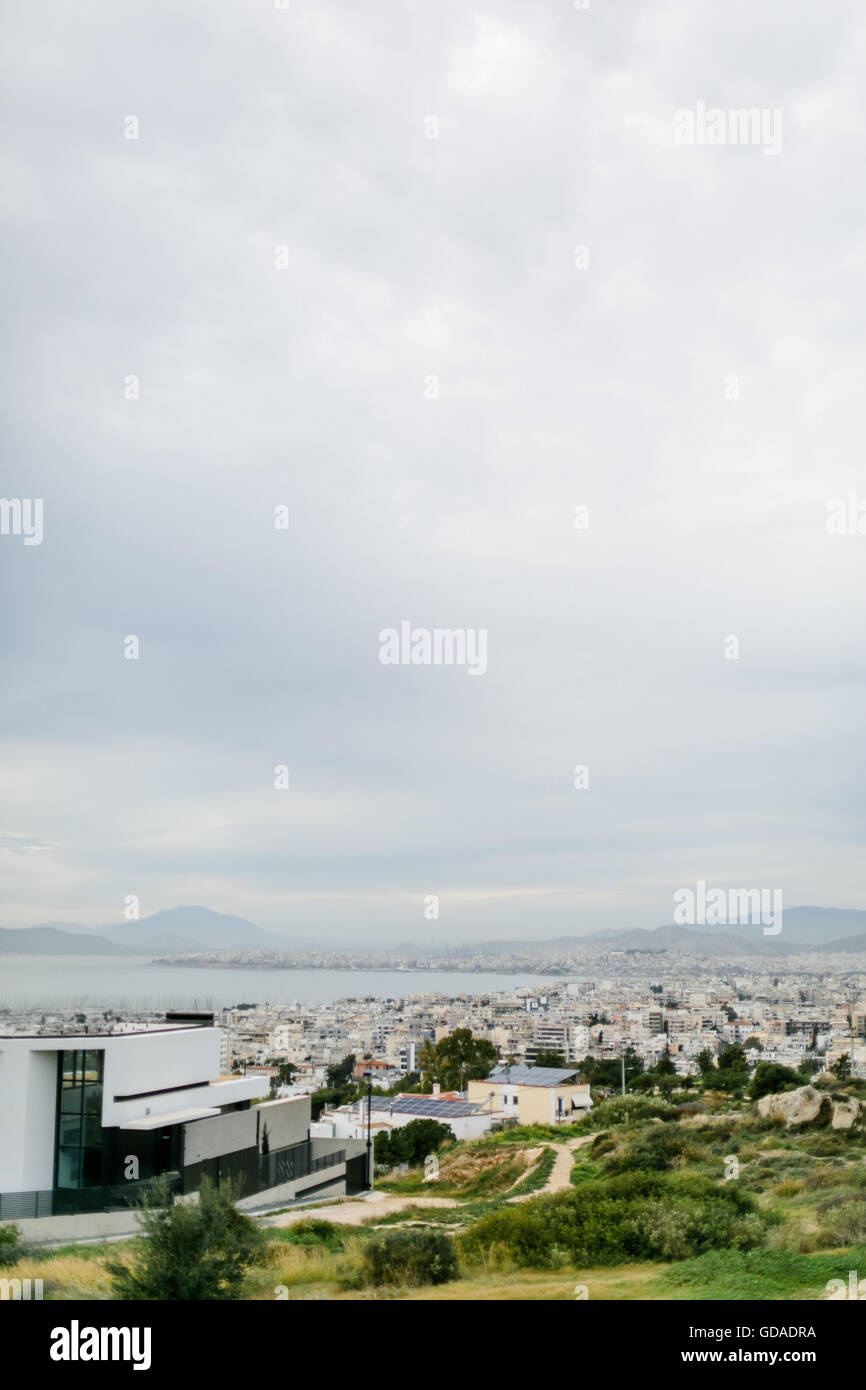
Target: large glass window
point(79, 1119)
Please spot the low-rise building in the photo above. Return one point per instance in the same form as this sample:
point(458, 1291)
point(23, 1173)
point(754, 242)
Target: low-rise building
point(535, 1095)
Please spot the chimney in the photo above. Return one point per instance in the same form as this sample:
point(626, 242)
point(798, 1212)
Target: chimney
point(437, 1089)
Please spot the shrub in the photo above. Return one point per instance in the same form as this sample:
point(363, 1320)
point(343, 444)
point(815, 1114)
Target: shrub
point(313, 1233)
point(411, 1143)
point(636, 1215)
point(192, 1252)
point(845, 1223)
point(11, 1248)
point(770, 1078)
point(603, 1144)
point(651, 1152)
point(413, 1257)
point(627, 1110)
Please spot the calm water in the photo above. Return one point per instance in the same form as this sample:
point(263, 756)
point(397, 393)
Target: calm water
point(102, 981)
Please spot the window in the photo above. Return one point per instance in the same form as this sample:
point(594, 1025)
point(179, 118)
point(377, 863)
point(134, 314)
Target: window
point(79, 1119)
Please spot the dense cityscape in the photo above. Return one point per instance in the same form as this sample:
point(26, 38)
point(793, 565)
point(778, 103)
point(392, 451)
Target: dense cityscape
point(803, 1012)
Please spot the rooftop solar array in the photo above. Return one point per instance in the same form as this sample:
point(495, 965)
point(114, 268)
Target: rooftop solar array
point(425, 1105)
point(535, 1076)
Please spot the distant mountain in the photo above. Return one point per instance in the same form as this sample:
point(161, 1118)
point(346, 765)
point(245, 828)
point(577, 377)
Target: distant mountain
point(50, 941)
point(812, 924)
point(845, 943)
point(190, 929)
point(822, 923)
point(178, 929)
point(689, 940)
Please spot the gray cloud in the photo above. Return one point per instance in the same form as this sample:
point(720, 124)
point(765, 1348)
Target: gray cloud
point(410, 258)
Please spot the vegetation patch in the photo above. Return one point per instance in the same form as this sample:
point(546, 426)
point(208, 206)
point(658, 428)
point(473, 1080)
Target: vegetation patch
point(639, 1216)
point(759, 1274)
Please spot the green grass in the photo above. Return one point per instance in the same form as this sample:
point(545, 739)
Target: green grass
point(758, 1274)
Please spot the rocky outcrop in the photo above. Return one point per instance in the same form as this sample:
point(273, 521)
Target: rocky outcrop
point(802, 1106)
point(845, 1113)
point(794, 1107)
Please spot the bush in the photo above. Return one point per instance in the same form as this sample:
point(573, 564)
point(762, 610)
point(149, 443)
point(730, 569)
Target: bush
point(624, 1110)
point(313, 1233)
point(652, 1152)
point(411, 1143)
point(769, 1078)
point(634, 1216)
point(11, 1248)
point(412, 1257)
point(192, 1252)
point(845, 1222)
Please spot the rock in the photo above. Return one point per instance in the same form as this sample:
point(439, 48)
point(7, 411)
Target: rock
point(845, 1113)
point(794, 1107)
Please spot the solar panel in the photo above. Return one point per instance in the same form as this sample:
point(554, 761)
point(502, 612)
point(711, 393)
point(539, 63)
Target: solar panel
point(425, 1105)
point(535, 1076)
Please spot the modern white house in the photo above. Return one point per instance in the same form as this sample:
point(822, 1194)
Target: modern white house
point(88, 1120)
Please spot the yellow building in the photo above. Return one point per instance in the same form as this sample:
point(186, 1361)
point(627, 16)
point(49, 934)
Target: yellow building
point(534, 1095)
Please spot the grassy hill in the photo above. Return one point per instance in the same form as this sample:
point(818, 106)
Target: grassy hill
point(642, 1200)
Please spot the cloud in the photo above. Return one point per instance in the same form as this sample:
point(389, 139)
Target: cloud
point(695, 387)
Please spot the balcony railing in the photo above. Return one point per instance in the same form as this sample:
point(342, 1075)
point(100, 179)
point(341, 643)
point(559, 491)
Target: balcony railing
point(287, 1165)
point(70, 1201)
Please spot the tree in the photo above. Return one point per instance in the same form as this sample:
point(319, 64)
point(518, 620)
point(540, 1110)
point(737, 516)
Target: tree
point(341, 1074)
point(411, 1143)
point(549, 1058)
point(769, 1078)
point(456, 1059)
point(665, 1065)
point(633, 1066)
point(410, 1082)
point(706, 1062)
point(729, 1079)
point(284, 1077)
point(732, 1058)
point(193, 1252)
point(842, 1068)
point(753, 1042)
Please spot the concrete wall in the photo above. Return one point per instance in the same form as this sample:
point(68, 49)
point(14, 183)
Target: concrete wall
point(28, 1101)
point(331, 1183)
point(94, 1225)
point(222, 1134)
point(288, 1121)
point(156, 1061)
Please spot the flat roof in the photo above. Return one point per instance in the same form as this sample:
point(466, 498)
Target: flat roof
point(171, 1117)
point(535, 1076)
point(118, 1032)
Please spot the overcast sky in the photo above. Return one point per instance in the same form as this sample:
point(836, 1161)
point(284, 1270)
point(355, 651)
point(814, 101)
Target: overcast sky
point(605, 384)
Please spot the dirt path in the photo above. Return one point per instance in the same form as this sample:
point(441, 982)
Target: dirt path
point(560, 1175)
point(353, 1213)
point(378, 1204)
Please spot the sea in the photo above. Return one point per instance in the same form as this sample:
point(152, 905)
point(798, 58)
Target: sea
point(46, 982)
